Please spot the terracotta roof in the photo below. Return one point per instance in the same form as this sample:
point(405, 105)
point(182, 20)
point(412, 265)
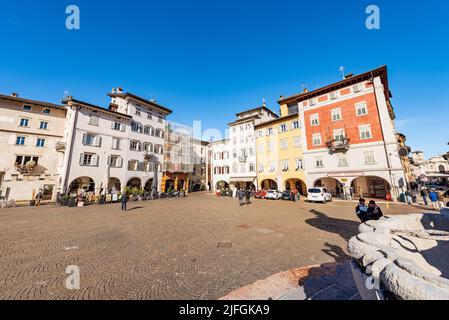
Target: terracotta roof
point(135, 97)
point(382, 72)
point(70, 99)
point(28, 101)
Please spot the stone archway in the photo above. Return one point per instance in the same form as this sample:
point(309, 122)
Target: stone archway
point(269, 184)
point(82, 183)
point(297, 184)
point(114, 185)
point(148, 185)
point(134, 183)
point(371, 187)
point(334, 186)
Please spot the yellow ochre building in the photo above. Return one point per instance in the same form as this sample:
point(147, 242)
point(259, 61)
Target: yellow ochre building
point(279, 152)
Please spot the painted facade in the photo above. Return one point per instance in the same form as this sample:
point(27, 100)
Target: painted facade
point(349, 140)
point(30, 134)
point(279, 154)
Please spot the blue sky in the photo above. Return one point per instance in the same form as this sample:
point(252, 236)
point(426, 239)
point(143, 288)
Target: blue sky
point(209, 59)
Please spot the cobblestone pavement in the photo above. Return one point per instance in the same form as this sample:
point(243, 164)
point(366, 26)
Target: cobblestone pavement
point(199, 247)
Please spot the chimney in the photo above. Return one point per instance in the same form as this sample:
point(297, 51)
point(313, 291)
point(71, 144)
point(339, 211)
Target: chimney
point(14, 95)
point(113, 90)
point(349, 76)
point(305, 90)
point(119, 90)
point(281, 97)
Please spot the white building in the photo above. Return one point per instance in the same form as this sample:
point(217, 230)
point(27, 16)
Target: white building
point(30, 133)
point(110, 149)
point(198, 178)
point(243, 172)
point(220, 163)
point(436, 169)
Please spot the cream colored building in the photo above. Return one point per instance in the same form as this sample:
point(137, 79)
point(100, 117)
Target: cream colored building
point(30, 134)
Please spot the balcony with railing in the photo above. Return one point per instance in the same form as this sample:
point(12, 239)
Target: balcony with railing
point(30, 169)
point(338, 145)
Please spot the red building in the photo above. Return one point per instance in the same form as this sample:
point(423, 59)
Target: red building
point(349, 140)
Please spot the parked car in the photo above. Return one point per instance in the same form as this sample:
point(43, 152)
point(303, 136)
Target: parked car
point(319, 195)
point(274, 195)
point(262, 194)
point(287, 195)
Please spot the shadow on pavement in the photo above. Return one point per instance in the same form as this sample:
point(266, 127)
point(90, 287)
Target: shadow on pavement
point(344, 228)
point(438, 255)
point(135, 208)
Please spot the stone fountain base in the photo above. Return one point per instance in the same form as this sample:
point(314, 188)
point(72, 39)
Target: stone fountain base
point(403, 257)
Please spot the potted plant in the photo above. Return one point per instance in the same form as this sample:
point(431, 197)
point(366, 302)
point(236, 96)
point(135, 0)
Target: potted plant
point(65, 200)
point(102, 199)
point(72, 202)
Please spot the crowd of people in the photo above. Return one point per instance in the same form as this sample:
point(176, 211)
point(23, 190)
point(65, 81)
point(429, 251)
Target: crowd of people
point(430, 196)
point(436, 198)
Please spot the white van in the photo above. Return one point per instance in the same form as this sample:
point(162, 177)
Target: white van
point(319, 195)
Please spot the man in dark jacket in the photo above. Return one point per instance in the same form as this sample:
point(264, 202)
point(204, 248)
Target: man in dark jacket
point(374, 212)
point(241, 196)
point(124, 201)
point(248, 196)
point(425, 195)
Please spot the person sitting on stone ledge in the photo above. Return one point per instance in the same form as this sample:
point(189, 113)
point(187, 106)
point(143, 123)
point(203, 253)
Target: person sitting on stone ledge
point(362, 211)
point(374, 212)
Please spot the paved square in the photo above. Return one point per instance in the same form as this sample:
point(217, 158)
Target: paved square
point(199, 247)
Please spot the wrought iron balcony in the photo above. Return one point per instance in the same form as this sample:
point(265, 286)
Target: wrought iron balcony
point(338, 145)
point(30, 169)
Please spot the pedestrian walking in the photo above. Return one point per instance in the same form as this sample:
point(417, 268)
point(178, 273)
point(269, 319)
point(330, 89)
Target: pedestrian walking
point(408, 196)
point(440, 195)
point(434, 199)
point(374, 212)
point(241, 196)
point(248, 196)
point(425, 196)
point(296, 194)
point(292, 196)
point(362, 210)
point(124, 201)
point(39, 197)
